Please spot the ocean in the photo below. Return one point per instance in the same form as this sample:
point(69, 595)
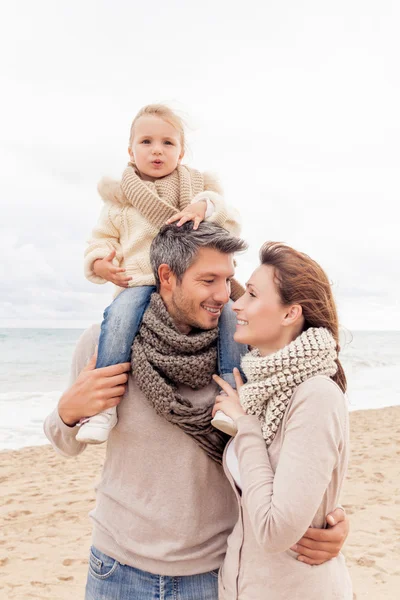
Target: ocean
point(34, 370)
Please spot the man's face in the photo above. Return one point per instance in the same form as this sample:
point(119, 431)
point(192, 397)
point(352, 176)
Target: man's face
point(198, 299)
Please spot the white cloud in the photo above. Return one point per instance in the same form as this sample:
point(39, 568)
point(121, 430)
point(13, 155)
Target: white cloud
point(294, 105)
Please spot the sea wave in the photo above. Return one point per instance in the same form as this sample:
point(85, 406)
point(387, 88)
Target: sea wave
point(22, 415)
point(28, 396)
point(34, 367)
point(355, 362)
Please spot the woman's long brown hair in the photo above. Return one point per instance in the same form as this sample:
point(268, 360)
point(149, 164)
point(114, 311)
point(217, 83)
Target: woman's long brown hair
point(300, 280)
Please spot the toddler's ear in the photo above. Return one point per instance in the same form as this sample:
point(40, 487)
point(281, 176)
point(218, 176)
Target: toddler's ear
point(131, 155)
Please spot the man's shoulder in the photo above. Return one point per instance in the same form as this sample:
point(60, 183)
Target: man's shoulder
point(90, 335)
point(87, 343)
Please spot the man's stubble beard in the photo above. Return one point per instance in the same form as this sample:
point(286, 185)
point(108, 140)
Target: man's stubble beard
point(184, 309)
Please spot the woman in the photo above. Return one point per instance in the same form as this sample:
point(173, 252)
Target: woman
point(289, 457)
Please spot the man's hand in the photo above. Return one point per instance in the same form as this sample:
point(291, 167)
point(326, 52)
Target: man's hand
point(320, 545)
point(103, 267)
point(195, 212)
point(94, 390)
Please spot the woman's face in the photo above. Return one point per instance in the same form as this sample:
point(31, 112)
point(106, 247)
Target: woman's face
point(263, 321)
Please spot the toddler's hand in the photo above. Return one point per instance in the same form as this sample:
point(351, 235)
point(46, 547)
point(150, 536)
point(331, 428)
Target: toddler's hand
point(195, 212)
point(103, 267)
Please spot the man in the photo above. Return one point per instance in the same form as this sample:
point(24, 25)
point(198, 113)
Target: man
point(164, 508)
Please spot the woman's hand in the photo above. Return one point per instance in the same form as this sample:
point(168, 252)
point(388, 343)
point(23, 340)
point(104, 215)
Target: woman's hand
point(195, 212)
point(229, 401)
point(104, 267)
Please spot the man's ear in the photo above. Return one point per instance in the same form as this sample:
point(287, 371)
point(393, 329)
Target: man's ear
point(293, 314)
point(167, 277)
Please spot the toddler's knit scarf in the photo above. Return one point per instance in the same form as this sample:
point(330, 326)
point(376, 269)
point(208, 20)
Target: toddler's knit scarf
point(271, 380)
point(161, 199)
point(163, 358)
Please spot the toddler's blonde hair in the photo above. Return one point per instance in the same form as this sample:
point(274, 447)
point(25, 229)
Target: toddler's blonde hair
point(165, 113)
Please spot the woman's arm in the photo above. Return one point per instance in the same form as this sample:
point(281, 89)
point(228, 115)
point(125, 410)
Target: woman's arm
point(281, 505)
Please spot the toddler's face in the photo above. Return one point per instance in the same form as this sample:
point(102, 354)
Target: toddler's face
point(156, 148)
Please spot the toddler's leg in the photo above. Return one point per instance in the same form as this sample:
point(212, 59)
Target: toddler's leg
point(230, 354)
point(121, 323)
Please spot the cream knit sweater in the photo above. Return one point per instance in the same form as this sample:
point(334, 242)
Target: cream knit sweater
point(134, 210)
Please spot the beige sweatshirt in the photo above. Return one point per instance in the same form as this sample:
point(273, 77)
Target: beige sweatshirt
point(162, 505)
point(130, 232)
point(285, 489)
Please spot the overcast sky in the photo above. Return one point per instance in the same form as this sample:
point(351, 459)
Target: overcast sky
point(294, 104)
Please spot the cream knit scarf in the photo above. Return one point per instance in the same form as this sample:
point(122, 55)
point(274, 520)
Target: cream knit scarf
point(159, 200)
point(163, 358)
point(271, 380)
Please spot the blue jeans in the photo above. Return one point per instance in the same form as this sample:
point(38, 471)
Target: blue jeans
point(122, 320)
point(110, 580)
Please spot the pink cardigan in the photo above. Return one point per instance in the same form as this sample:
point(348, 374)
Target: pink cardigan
point(293, 485)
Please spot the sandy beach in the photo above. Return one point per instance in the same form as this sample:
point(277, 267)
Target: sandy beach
point(45, 531)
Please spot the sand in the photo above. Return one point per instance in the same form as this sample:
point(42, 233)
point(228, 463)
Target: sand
point(45, 530)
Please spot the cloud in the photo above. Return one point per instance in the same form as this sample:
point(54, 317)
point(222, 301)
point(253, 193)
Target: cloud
point(296, 110)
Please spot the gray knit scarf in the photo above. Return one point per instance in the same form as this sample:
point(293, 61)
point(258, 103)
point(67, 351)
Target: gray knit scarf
point(271, 380)
point(163, 358)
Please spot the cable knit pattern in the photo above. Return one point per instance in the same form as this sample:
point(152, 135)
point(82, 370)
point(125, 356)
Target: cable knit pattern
point(271, 380)
point(133, 212)
point(162, 358)
point(160, 199)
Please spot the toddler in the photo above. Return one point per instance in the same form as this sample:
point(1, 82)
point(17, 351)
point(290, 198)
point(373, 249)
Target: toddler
point(155, 189)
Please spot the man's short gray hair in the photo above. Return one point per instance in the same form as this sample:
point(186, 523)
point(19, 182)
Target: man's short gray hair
point(177, 247)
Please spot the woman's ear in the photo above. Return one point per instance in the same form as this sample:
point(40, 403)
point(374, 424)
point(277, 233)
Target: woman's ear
point(293, 314)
